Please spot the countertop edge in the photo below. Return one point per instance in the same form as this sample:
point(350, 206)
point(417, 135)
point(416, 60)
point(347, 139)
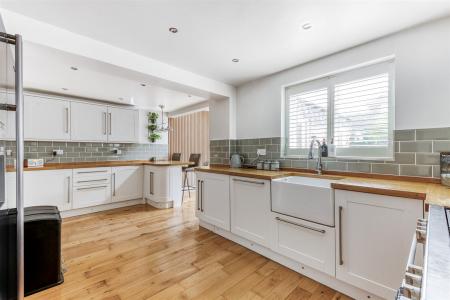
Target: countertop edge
point(115, 163)
point(380, 191)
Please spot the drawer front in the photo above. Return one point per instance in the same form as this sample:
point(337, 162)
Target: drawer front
point(92, 180)
point(85, 196)
point(308, 243)
point(87, 172)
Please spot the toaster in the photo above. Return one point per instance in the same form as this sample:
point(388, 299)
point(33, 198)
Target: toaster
point(445, 168)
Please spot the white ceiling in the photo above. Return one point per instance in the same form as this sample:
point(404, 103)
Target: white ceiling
point(265, 35)
point(48, 70)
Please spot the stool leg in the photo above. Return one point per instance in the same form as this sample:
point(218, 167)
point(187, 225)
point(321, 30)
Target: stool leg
point(446, 209)
point(184, 186)
point(189, 186)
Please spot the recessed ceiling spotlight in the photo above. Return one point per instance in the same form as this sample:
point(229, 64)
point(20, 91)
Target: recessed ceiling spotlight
point(173, 29)
point(306, 26)
point(74, 68)
point(189, 96)
point(120, 98)
point(143, 84)
point(65, 89)
point(235, 60)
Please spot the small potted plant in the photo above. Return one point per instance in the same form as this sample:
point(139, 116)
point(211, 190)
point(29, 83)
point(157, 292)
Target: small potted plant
point(154, 136)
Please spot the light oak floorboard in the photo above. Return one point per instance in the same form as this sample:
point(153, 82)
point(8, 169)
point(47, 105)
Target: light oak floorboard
point(140, 252)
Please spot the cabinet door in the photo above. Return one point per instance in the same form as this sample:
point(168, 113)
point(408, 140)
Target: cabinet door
point(123, 125)
point(250, 208)
point(127, 183)
point(305, 242)
point(52, 187)
point(214, 202)
point(46, 119)
point(88, 122)
point(7, 118)
point(156, 184)
point(373, 238)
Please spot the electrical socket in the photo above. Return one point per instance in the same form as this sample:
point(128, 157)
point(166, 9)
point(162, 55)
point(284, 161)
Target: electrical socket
point(117, 151)
point(58, 152)
point(261, 152)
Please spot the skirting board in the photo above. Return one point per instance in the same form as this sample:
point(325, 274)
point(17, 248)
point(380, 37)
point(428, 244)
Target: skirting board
point(93, 209)
point(161, 205)
point(318, 276)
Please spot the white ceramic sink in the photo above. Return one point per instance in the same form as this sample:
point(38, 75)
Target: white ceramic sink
point(308, 198)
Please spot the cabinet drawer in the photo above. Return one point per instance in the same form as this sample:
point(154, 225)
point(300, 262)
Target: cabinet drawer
point(85, 196)
point(100, 179)
point(86, 172)
point(308, 243)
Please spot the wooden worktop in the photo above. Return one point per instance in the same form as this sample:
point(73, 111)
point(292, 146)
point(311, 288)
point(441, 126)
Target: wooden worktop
point(430, 192)
point(97, 164)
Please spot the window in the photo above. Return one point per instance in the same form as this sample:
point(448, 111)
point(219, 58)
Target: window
point(353, 111)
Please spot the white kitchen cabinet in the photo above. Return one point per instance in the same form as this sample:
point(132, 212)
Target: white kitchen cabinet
point(162, 185)
point(46, 118)
point(49, 187)
point(126, 183)
point(7, 118)
point(373, 238)
point(308, 243)
point(213, 199)
point(250, 209)
point(123, 125)
point(88, 122)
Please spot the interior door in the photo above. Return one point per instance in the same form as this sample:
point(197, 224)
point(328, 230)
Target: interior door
point(88, 122)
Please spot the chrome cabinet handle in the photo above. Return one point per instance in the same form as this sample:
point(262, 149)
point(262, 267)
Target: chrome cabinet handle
point(151, 183)
point(93, 180)
point(88, 172)
point(67, 119)
point(201, 199)
point(249, 181)
point(93, 187)
point(104, 123)
point(198, 195)
point(68, 189)
point(341, 260)
point(114, 184)
point(110, 117)
point(300, 225)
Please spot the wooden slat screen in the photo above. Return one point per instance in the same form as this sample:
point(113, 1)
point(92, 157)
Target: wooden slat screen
point(190, 134)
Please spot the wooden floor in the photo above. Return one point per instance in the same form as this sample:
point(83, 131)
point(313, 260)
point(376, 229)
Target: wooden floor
point(140, 252)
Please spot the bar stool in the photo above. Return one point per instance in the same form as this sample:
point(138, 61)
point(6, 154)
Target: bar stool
point(193, 158)
point(176, 157)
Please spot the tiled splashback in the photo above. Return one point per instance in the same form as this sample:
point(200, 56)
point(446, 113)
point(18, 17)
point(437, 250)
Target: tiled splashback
point(416, 154)
point(78, 152)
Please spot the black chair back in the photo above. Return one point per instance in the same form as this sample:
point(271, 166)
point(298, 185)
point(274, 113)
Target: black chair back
point(176, 156)
point(195, 158)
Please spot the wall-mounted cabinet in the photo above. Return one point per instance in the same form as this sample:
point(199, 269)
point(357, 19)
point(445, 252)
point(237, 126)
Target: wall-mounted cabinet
point(46, 119)
point(89, 122)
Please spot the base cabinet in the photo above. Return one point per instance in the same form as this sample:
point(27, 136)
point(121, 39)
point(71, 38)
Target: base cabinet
point(373, 237)
point(250, 208)
point(162, 185)
point(213, 199)
point(308, 243)
point(51, 187)
point(126, 183)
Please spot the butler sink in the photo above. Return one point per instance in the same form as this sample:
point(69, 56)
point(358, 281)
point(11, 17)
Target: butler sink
point(308, 198)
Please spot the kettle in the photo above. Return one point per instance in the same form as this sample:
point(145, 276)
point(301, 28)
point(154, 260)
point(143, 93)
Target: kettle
point(236, 160)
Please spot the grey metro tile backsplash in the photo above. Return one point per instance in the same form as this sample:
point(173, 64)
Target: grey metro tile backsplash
point(416, 154)
point(80, 151)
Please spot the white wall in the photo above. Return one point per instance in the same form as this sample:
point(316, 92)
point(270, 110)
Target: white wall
point(422, 68)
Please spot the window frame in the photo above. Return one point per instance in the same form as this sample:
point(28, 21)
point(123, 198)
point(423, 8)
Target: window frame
point(333, 78)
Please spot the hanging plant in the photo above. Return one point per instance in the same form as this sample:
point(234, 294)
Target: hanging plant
point(154, 137)
point(153, 134)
